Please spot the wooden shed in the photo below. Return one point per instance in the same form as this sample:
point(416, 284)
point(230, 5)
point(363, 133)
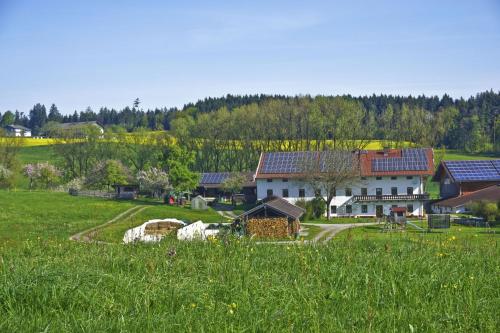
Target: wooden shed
point(276, 218)
point(126, 191)
point(199, 203)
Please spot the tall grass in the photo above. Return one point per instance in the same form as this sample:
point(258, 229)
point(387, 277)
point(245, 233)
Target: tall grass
point(241, 286)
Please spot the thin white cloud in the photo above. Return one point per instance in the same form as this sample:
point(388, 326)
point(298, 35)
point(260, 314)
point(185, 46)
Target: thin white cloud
point(223, 28)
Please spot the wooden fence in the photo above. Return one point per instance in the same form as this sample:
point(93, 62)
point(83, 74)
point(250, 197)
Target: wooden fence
point(87, 193)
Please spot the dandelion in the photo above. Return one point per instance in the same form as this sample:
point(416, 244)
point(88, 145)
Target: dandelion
point(453, 238)
point(231, 311)
point(471, 277)
point(193, 305)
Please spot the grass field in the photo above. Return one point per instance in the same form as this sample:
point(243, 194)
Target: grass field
point(388, 282)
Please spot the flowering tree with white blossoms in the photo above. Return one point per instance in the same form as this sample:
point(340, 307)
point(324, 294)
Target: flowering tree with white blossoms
point(154, 180)
point(5, 176)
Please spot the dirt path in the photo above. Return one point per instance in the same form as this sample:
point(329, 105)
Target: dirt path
point(86, 235)
point(330, 230)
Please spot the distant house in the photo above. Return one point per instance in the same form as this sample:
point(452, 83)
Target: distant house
point(211, 185)
point(457, 178)
point(79, 126)
point(18, 130)
point(459, 204)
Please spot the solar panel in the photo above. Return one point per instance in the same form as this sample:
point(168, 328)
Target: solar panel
point(286, 162)
point(214, 177)
point(414, 159)
point(496, 164)
point(473, 170)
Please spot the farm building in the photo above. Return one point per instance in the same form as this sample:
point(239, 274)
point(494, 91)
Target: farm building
point(457, 178)
point(276, 218)
point(211, 185)
point(199, 203)
point(126, 191)
point(459, 203)
point(387, 178)
point(18, 130)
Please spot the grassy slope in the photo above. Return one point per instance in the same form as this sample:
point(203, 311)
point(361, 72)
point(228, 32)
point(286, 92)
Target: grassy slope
point(29, 215)
point(351, 284)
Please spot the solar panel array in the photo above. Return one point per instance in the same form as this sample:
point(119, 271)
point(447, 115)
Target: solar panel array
point(474, 170)
point(411, 160)
point(287, 162)
point(214, 177)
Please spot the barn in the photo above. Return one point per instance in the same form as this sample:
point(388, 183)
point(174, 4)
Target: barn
point(275, 218)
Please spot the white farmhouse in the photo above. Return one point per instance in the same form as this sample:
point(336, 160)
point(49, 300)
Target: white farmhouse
point(18, 130)
point(388, 178)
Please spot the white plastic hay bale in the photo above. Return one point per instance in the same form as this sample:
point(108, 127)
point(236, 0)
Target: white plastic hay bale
point(193, 231)
point(138, 233)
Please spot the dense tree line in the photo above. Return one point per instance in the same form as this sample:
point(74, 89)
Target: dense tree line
point(466, 124)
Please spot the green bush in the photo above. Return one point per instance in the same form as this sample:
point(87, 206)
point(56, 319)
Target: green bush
point(315, 208)
point(487, 210)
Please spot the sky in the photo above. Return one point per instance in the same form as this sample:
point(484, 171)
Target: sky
point(167, 53)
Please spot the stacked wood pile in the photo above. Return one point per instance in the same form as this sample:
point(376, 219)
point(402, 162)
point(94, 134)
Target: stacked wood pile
point(161, 228)
point(270, 227)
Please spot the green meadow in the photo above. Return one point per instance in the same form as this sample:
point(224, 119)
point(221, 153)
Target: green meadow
point(363, 280)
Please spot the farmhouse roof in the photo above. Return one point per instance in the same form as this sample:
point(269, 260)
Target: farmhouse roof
point(491, 193)
point(279, 205)
point(18, 127)
point(287, 164)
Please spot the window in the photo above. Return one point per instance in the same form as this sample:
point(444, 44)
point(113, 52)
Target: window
point(348, 192)
point(363, 178)
point(364, 209)
point(348, 209)
point(394, 206)
point(269, 193)
point(379, 178)
point(394, 178)
point(409, 190)
point(334, 192)
point(409, 209)
point(364, 191)
point(394, 191)
point(269, 180)
point(378, 191)
point(333, 209)
point(285, 193)
point(284, 180)
point(302, 193)
point(409, 177)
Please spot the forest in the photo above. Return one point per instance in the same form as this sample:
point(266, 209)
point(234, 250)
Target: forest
point(228, 133)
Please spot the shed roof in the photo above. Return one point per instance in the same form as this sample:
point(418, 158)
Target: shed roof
point(279, 205)
point(491, 193)
point(215, 179)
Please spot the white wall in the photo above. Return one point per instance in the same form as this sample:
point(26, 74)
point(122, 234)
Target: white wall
point(371, 183)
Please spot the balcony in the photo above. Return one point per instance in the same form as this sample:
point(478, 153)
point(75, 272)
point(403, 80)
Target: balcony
point(403, 197)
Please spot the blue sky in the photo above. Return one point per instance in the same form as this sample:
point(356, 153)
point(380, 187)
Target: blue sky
point(107, 53)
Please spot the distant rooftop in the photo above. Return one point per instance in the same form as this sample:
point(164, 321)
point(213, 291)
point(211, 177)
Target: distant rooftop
point(18, 127)
point(471, 171)
point(79, 124)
